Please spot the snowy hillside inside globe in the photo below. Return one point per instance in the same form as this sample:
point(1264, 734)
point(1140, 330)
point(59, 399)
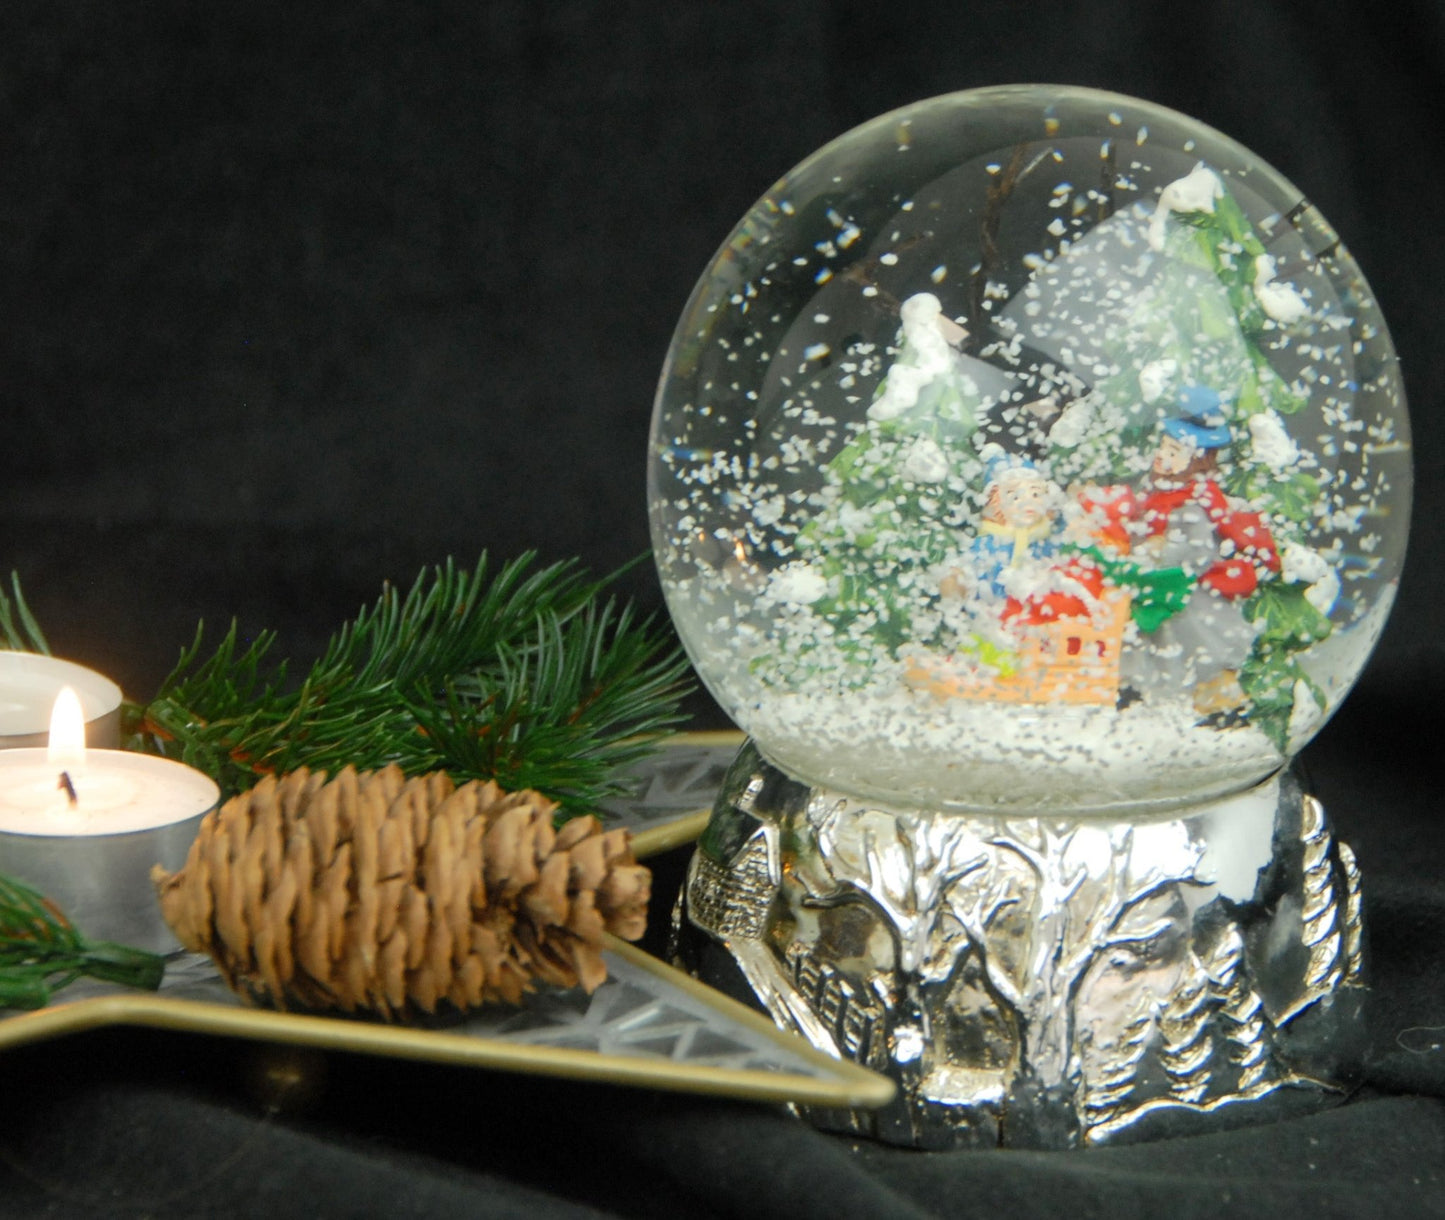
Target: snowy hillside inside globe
point(1030, 449)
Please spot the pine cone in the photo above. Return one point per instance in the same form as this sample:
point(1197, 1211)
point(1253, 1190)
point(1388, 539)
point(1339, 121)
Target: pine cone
point(377, 892)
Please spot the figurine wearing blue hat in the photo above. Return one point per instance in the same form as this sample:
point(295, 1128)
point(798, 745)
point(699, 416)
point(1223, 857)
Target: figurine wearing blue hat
point(1193, 438)
point(1222, 550)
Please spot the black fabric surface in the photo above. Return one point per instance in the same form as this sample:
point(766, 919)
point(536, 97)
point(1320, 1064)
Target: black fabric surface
point(296, 298)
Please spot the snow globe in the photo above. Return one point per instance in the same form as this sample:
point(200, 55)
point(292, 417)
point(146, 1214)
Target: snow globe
point(1029, 479)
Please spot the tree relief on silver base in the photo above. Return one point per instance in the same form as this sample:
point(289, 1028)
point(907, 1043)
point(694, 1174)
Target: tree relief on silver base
point(1040, 982)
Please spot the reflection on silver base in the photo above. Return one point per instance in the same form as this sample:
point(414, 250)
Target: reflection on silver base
point(1040, 982)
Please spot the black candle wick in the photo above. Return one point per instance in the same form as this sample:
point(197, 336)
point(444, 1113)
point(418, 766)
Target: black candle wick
point(68, 787)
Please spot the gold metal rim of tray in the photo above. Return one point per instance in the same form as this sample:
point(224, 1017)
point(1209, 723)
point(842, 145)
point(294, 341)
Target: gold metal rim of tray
point(842, 1083)
point(838, 1083)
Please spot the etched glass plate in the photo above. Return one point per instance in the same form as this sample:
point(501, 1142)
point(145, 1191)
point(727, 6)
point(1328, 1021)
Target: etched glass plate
point(670, 794)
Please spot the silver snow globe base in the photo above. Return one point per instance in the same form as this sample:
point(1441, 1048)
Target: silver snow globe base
point(1033, 982)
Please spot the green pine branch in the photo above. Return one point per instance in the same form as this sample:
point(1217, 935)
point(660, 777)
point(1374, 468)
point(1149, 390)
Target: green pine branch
point(41, 951)
point(528, 677)
point(563, 709)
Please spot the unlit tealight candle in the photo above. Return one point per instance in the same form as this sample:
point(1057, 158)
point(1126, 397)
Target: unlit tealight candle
point(29, 684)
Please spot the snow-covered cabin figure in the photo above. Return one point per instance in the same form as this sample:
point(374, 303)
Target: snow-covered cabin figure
point(1186, 524)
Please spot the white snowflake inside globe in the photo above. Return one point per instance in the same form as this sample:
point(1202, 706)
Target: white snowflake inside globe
point(1031, 449)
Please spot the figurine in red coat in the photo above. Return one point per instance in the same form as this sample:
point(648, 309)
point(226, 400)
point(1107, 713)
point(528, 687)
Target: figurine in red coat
point(1183, 520)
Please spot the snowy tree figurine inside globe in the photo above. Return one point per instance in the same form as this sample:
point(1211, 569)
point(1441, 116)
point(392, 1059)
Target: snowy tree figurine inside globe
point(1029, 479)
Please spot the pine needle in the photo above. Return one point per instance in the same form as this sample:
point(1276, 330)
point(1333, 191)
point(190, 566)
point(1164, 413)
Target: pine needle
point(24, 636)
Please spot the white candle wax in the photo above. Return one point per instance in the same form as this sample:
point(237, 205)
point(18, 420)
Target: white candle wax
point(29, 684)
point(117, 792)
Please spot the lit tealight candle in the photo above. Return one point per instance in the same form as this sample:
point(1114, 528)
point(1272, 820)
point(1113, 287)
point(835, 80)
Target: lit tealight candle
point(29, 684)
point(85, 826)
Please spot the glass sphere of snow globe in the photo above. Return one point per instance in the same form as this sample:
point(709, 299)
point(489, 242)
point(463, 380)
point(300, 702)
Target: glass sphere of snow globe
point(1030, 449)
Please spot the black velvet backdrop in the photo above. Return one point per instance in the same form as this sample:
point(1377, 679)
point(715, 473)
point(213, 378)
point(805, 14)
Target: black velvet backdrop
point(295, 298)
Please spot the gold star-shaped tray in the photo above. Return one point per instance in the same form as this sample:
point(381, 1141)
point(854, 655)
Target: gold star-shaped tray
point(647, 1025)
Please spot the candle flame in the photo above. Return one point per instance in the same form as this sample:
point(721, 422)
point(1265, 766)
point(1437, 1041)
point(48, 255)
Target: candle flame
point(67, 730)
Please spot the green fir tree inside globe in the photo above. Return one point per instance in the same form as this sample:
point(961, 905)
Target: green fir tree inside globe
point(1031, 449)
